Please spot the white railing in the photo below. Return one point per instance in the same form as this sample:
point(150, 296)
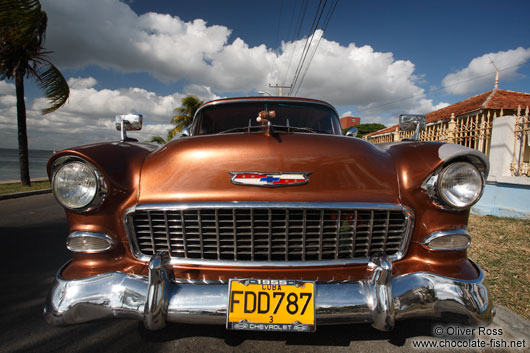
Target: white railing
point(521, 150)
point(473, 131)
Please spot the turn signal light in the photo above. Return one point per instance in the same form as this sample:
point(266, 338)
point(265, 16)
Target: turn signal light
point(452, 240)
point(88, 242)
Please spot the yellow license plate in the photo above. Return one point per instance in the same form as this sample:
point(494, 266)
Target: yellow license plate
point(271, 305)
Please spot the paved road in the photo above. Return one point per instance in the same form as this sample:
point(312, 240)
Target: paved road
point(32, 234)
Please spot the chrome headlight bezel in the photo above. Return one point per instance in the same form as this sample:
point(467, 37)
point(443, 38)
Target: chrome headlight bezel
point(101, 190)
point(434, 188)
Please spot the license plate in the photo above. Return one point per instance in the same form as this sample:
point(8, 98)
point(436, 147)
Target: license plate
point(271, 305)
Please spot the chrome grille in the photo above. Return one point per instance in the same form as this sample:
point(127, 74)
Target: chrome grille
point(269, 233)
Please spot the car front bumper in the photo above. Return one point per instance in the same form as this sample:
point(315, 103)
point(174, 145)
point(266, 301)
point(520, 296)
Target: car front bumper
point(157, 298)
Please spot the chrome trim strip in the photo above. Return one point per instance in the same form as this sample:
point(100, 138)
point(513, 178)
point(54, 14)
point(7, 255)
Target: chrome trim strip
point(409, 218)
point(425, 242)
point(265, 204)
point(85, 234)
point(380, 299)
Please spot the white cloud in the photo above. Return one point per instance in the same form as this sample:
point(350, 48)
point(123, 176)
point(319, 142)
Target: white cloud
point(8, 100)
point(109, 34)
point(360, 76)
point(7, 94)
point(88, 116)
point(81, 82)
point(480, 72)
point(204, 92)
point(7, 88)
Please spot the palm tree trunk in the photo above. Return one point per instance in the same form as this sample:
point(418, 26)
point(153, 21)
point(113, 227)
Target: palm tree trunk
point(22, 130)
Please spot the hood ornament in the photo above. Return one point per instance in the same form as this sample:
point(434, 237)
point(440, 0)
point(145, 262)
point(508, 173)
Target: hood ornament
point(269, 179)
point(264, 118)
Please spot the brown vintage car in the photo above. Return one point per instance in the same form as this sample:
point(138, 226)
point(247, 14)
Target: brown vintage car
point(265, 217)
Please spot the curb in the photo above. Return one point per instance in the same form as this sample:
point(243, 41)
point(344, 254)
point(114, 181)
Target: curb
point(16, 195)
point(18, 180)
point(516, 325)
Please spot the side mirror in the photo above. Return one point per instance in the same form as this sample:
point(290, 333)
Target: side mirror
point(409, 122)
point(185, 131)
point(352, 132)
point(128, 122)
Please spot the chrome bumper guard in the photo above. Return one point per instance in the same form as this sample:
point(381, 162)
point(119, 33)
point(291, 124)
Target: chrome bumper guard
point(158, 299)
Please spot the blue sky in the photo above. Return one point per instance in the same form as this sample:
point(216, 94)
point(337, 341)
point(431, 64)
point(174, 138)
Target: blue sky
point(375, 60)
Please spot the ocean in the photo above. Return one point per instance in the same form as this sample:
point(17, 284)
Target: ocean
point(9, 169)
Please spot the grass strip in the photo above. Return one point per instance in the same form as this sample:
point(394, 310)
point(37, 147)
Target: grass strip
point(501, 247)
point(17, 187)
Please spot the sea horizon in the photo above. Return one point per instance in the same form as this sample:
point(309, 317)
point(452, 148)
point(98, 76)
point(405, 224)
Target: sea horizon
point(9, 163)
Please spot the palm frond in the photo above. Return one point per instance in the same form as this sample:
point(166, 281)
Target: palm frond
point(177, 119)
point(23, 23)
point(157, 139)
point(170, 134)
point(184, 114)
point(22, 28)
point(55, 87)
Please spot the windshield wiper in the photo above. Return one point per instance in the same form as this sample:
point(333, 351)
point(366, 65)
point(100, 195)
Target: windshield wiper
point(281, 127)
point(248, 128)
point(298, 128)
point(242, 128)
point(287, 127)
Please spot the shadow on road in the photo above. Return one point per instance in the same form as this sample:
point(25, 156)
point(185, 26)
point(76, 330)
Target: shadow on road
point(336, 335)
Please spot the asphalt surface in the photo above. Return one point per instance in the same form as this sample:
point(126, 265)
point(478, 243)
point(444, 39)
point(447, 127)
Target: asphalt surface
point(32, 234)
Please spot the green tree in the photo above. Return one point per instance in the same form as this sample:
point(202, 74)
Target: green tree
point(364, 129)
point(158, 139)
point(183, 118)
point(22, 55)
point(184, 114)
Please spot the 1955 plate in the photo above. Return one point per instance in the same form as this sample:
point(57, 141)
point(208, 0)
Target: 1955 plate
point(271, 305)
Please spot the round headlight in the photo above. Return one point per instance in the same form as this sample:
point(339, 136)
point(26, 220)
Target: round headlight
point(460, 185)
point(76, 185)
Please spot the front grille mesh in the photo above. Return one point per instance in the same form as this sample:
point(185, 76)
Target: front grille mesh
point(269, 234)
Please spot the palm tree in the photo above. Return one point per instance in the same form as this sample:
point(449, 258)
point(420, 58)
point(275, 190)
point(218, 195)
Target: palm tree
point(22, 35)
point(157, 139)
point(184, 115)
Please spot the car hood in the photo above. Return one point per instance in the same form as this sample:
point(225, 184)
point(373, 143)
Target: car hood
point(198, 169)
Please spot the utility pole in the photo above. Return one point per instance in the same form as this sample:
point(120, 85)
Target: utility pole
point(496, 73)
point(279, 88)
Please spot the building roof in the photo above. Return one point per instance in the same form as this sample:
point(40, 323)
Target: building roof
point(349, 121)
point(494, 99)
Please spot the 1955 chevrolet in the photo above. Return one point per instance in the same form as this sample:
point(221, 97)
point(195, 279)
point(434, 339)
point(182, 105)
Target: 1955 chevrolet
point(265, 217)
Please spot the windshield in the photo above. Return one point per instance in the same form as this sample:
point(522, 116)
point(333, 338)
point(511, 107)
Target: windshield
point(237, 117)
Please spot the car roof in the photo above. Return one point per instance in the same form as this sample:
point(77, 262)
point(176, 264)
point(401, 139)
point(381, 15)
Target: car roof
point(265, 99)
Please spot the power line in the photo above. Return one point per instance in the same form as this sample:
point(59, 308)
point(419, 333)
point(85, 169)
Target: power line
point(439, 88)
point(326, 22)
point(279, 24)
point(300, 21)
point(307, 45)
point(276, 65)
